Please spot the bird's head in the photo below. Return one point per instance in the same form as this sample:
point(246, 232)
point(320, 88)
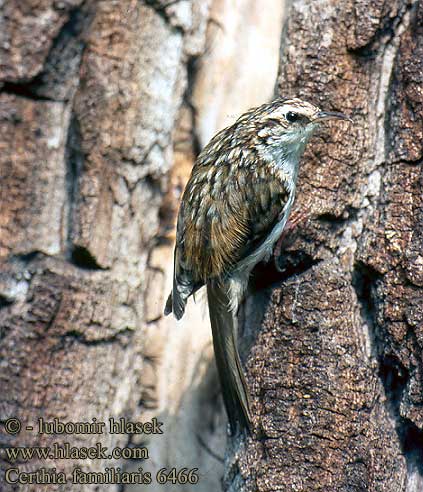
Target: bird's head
point(289, 123)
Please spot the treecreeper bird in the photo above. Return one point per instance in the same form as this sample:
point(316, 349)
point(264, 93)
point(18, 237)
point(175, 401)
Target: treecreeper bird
point(233, 210)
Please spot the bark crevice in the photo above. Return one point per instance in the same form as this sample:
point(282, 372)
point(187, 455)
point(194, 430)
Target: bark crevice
point(394, 376)
point(74, 160)
point(58, 78)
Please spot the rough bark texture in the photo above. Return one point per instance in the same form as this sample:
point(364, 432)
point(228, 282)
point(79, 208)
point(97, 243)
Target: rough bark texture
point(103, 108)
point(335, 367)
point(89, 96)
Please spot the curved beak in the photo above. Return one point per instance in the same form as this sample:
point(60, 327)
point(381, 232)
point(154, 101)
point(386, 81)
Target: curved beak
point(331, 115)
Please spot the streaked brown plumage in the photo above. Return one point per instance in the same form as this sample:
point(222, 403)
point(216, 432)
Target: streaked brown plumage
point(233, 210)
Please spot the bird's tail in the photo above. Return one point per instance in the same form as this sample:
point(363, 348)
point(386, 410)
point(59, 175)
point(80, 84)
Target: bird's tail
point(224, 324)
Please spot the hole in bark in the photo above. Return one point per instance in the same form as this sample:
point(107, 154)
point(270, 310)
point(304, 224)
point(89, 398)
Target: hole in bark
point(28, 257)
point(82, 258)
point(5, 301)
point(332, 219)
point(335, 221)
point(293, 263)
point(364, 279)
point(23, 89)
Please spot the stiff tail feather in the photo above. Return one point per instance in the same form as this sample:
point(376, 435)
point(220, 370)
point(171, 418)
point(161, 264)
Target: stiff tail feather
point(224, 324)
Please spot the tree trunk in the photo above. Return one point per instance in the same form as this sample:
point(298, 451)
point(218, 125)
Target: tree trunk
point(335, 367)
point(89, 96)
point(103, 108)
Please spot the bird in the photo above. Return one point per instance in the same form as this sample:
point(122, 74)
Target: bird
point(234, 209)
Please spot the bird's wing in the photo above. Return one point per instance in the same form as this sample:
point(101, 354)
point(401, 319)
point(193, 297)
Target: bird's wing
point(226, 216)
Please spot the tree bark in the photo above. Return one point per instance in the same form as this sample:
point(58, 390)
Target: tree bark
point(335, 367)
point(89, 95)
point(103, 109)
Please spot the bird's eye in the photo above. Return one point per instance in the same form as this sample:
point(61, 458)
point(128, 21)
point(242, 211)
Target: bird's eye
point(292, 117)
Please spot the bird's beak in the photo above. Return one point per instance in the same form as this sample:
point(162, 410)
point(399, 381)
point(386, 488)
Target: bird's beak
point(330, 115)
